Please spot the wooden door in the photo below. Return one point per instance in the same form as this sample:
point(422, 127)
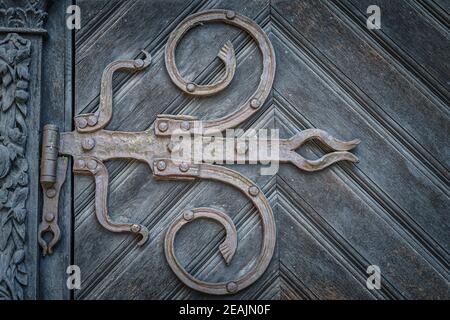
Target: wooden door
point(387, 87)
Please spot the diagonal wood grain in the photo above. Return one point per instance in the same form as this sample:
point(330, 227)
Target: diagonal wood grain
point(390, 210)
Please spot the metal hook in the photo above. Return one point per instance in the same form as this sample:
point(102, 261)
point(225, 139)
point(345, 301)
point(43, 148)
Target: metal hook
point(49, 223)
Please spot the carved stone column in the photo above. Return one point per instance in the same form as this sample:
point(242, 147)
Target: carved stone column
point(21, 37)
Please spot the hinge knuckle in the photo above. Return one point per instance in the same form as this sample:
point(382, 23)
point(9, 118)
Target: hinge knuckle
point(50, 152)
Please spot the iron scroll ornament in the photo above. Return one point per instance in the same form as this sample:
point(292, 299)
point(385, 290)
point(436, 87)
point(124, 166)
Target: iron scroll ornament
point(90, 146)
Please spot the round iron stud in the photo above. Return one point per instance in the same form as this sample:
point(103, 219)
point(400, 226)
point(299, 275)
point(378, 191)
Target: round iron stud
point(253, 190)
point(92, 121)
point(51, 193)
point(161, 166)
point(88, 144)
point(230, 15)
point(188, 215)
point(190, 87)
point(92, 165)
point(232, 287)
point(81, 164)
point(139, 63)
point(49, 217)
point(82, 123)
point(163, 126)
point(185, 125)
point(255, 103)
point(135, 228)
point(184, 167)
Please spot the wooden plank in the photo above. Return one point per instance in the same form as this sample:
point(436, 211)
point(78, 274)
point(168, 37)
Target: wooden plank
point(404, 26)
point(406, 274)
point(133, 26)
point(312, 264)
point(350, 214)
point(57, 92)
point(397, 98)
point(93, 14)
point(328, 106)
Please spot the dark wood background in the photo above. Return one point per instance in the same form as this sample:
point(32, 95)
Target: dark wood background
point(388, 87)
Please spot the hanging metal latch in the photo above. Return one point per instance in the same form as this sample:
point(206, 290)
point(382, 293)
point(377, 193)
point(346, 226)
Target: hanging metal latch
point(53, 175)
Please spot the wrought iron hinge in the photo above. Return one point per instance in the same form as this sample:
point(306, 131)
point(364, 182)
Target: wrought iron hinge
point(90, 146)
point(53, 175)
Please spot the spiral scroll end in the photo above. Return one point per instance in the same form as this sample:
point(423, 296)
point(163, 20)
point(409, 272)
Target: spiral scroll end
point(143, 233)
point(227, 252)
point(226, 53)
point(144, 63)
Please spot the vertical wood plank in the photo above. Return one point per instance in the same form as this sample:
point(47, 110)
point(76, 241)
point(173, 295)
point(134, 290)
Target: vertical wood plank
point(57, 109)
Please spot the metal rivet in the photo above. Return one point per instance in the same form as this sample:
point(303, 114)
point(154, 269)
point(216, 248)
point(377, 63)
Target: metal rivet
point(188, 215)
point(184, 167)
point(88, 144)
point(232, 287)
point(253, 190)
point(185, 125)
point(92, 165)
point(190, 87)
point(139, 63)
point(49, 217)
point(135, 228)
point(255, 104)
point(81, 163)
point(163, 126)
point(161, 165)
point(230, 15)
point(82, 123)
point(51, 193)
point(92, 121)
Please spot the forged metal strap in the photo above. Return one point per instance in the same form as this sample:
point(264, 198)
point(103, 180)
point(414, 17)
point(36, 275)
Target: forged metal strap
point(166, 126)
point(91, 122)
point(227, 248)
point(251, 191)
point(94, 167)
point(226, 54)
point(341, 148)
point(51, 192)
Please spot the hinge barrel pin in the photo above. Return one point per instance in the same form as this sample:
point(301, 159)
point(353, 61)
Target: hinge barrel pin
point(50, 152)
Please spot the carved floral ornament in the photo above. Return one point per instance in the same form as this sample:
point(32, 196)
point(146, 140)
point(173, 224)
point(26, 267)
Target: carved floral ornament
point(31, 16)
point(22, 17)
point(91, 145)
point(15, 53)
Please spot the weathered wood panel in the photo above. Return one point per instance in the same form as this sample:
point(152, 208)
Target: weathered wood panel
point(57, 109)
point(21, 51)
point(390, 210)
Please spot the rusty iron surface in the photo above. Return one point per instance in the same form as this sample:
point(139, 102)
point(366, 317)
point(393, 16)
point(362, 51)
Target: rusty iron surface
point(49, 223)
point(90, 146)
